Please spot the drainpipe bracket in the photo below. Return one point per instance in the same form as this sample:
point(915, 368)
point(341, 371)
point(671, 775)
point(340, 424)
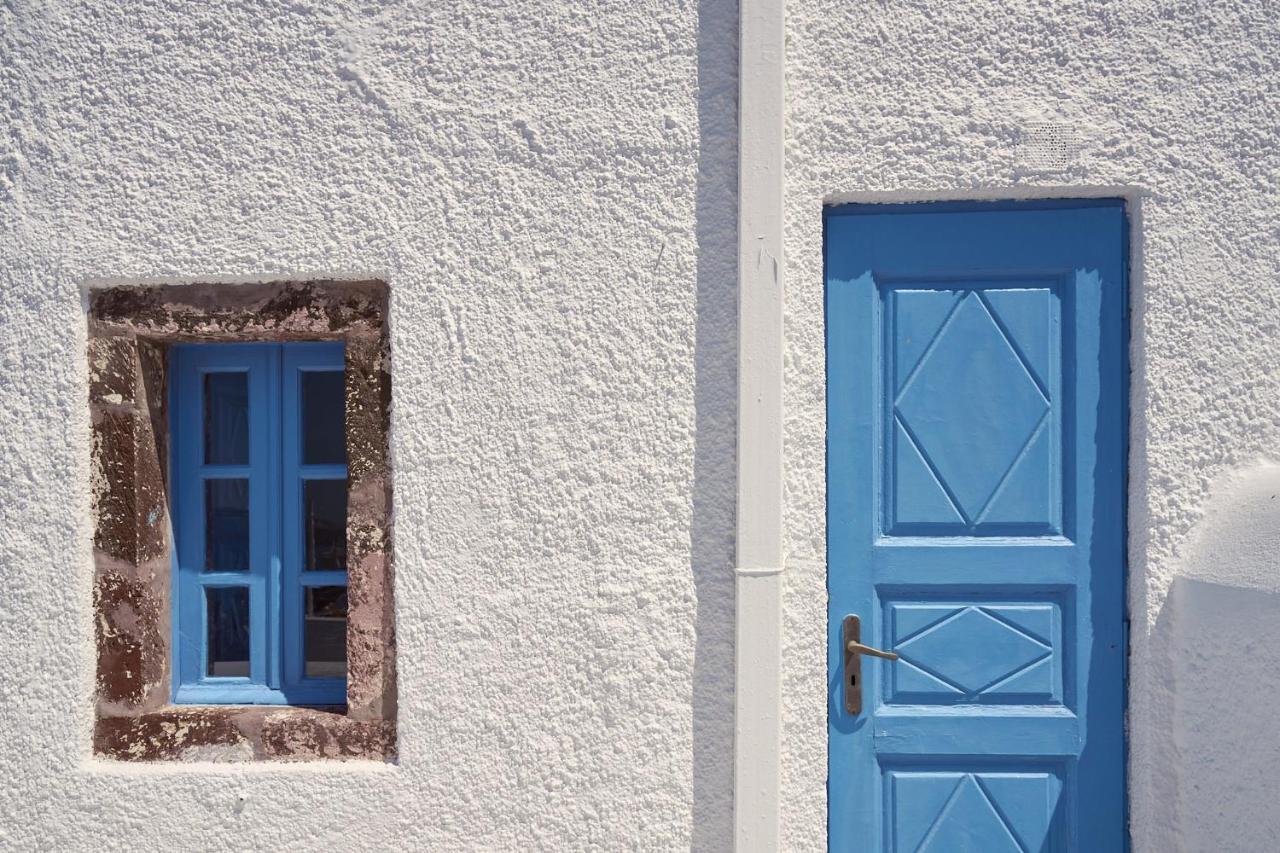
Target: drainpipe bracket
point(758, 571)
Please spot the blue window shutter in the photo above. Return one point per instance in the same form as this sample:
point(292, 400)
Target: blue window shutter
point(298, 360)
point(214, 465)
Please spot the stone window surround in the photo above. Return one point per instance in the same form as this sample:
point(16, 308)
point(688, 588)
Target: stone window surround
point(130, 329)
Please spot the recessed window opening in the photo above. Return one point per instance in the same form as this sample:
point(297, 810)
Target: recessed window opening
point(241, 481)
point(260, 484)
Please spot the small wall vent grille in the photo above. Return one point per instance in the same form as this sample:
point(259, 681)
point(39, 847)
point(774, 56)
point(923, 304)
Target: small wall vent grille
point(1046, 146)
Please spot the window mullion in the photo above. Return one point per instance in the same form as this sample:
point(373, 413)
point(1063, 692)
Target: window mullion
point(275, 580)
point(290, 605)
point(261, 402)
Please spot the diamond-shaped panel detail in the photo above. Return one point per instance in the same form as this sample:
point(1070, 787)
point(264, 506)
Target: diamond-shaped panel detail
point(971, 406)
point(970, 822)
point(940, 811)
point(972, 650)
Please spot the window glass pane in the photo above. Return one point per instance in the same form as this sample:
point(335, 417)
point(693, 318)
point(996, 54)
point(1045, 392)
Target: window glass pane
point(226, 419)
point(324, 521)
point(323, 418)
point(226, 519)
point(325, 631)
point(228, 631)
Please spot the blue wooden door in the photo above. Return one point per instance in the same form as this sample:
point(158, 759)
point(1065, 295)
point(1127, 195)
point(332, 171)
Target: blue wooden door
point(976, 392)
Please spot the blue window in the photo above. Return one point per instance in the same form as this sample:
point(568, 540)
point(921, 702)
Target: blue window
point(259, 472)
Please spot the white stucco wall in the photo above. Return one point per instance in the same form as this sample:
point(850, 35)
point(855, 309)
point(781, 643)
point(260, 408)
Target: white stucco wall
point(549, 189)
point(1221, 627)
point(1174, 104)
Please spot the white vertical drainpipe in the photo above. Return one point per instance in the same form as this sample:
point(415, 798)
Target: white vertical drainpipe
point(758, 587)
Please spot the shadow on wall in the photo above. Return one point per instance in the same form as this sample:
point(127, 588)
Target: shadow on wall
point(715, 403)
point(1221, 627)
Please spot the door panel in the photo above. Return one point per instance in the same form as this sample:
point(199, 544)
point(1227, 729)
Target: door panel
point(976, 438)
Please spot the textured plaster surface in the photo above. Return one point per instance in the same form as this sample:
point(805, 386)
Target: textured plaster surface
point(1221, 626)
point(1177, 100)
point(547, 188)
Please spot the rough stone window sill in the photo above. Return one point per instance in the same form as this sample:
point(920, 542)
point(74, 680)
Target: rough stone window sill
point(243, 733)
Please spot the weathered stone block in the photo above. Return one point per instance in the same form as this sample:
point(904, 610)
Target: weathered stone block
point(115, 506)
point(131, 634)
point(113, 371)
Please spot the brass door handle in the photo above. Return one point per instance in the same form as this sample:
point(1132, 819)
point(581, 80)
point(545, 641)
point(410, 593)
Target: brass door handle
point(851, 637)
point(856, 648)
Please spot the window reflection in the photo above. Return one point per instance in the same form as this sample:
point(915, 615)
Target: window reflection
point(226, 514)
point(228, 625)
point(324, 520)
point(323, 418)
point(226, 419)
point(325, 631)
